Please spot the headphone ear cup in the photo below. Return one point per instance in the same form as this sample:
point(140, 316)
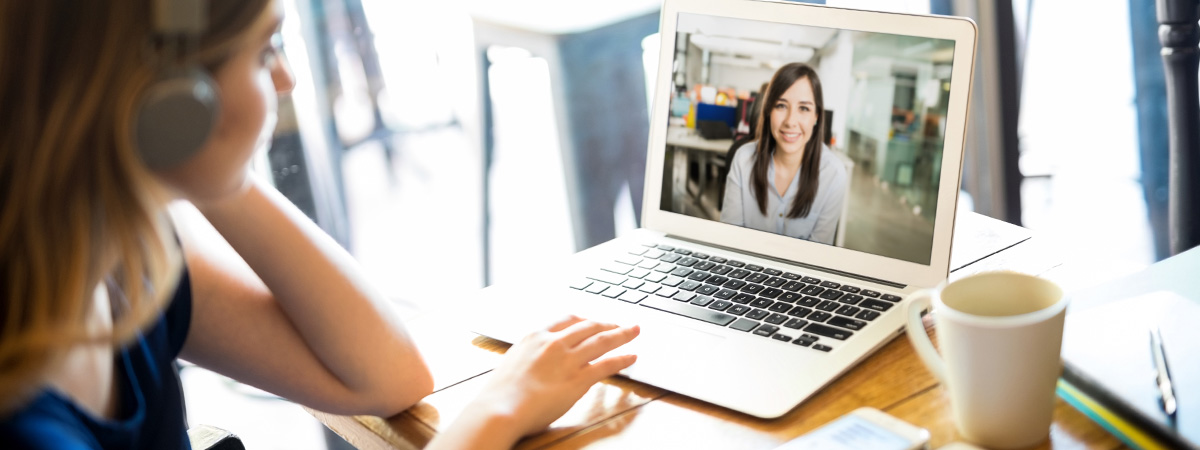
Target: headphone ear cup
point(175, 118)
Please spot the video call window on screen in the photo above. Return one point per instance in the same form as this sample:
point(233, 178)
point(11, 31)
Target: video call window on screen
point(876, 117)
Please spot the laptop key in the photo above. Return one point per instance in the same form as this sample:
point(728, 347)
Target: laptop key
point(819, 316)
point(809, 302)
point(633, 283)
point(828, 305)
point(716, 280)
point(754, 267)
point(752, 288)
point(686, 310)
point(766, 330)
point(796, 323)
point(739, 274)
point(738, 310)
point(735, 263)
point(794, 286)
point(689, 285)
point(638, 273)
point(891, 298)
point(803, 341)
point(811, 280)
point(670, 257)
point(650, 288)
point(870, 293)
point(850, 289)
point(781, 337)
point(780, 307)
point(704, 265)
point(655, 277)
point(653, 254)
point(734, 284)
point(596, 288)
point(632, 296)
point(875, 305)
point(581, 284)
point(649, 264)
point(725, 294)
point(776, 319)
point(701, 300)
point(851, 299)
point(613, 292)
point(822, 347)
point(664, 268)
point(847, 323)
point(671, 281)
point(683, 251)
point(756, 278)
point(681, 271)
point(743, 298)
point(744, 325)
point(828, 331)
point(667, 292)
point(831, 294)
point(665, 247)
point(720, 305)
point(773, 272)
point(619, 269)
point(812, 289)
point(847, 310)
point(699, 255)
point(867, 314)
point(721, 270)
point(629, 260)
point(761, 303)
point(799, 311)
point(699, 276)
point(717, 259)
point(791, 276)
point(707, 289)
point(775, 282)
point(790, 297)
point(607, 277)
point(638, 251)
point(831, 284)
point(756, 314)
point(683, 296)
point(687, 262)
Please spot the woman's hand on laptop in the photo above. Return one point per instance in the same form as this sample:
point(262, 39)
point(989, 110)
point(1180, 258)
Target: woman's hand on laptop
point(538, 381)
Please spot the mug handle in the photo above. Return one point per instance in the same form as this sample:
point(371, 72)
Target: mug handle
point(918, 302)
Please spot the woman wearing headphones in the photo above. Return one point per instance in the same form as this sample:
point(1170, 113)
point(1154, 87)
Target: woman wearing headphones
point(101, 292)
point(787, 182)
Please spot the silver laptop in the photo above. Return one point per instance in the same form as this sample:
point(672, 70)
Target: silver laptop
point(752, 306)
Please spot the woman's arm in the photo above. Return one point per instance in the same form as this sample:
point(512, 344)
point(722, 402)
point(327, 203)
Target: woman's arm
point(538, 380)
point(731, 206)
point(281, 306)
point(831, 212)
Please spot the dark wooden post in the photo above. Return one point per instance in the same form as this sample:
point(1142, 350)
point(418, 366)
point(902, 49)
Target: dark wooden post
point(1180, 34)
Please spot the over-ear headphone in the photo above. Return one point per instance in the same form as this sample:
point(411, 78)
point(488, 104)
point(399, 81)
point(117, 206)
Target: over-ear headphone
point(179, 111)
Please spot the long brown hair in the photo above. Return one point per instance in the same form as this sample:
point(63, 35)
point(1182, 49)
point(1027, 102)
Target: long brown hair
point(80, 209)
point(810, 164)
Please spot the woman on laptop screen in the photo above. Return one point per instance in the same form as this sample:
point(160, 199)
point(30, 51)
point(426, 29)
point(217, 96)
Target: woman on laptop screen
point(787, 182)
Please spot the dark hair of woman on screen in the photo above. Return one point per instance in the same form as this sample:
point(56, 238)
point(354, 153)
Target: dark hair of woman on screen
point(788, 182)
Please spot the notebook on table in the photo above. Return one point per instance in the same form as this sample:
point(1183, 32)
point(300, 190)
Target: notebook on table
point(752, 319)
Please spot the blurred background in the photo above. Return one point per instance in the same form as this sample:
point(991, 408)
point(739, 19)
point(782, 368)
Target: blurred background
point(450, 145)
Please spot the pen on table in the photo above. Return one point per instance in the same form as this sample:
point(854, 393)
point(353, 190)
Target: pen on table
point(1166, 391)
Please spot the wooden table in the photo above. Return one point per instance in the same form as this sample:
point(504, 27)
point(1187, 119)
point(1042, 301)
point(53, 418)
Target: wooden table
point(623, 414)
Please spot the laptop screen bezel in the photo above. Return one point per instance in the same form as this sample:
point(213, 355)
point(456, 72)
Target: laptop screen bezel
point(960, 30)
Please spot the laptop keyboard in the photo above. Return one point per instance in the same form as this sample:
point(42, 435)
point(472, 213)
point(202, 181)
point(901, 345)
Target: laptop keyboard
point(767, 302)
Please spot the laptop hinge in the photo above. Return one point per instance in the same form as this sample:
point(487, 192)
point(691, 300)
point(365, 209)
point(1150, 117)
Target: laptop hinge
point(796, 263)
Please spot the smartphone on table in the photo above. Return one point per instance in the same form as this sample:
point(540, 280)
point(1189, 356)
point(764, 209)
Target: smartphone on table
point(865, 428)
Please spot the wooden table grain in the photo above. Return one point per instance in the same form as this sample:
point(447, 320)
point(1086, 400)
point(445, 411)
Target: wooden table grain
point(622, 414)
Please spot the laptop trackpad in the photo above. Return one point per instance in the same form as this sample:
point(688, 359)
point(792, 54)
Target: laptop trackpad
point(663, 350)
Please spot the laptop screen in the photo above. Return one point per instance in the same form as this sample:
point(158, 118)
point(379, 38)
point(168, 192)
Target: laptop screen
point(829, 135)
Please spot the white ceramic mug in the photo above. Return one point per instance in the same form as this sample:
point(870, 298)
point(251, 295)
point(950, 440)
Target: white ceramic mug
point(1000, 335)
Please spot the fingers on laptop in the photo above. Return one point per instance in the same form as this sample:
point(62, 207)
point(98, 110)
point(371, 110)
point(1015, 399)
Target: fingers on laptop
point(563, 323)
point(599, 344)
